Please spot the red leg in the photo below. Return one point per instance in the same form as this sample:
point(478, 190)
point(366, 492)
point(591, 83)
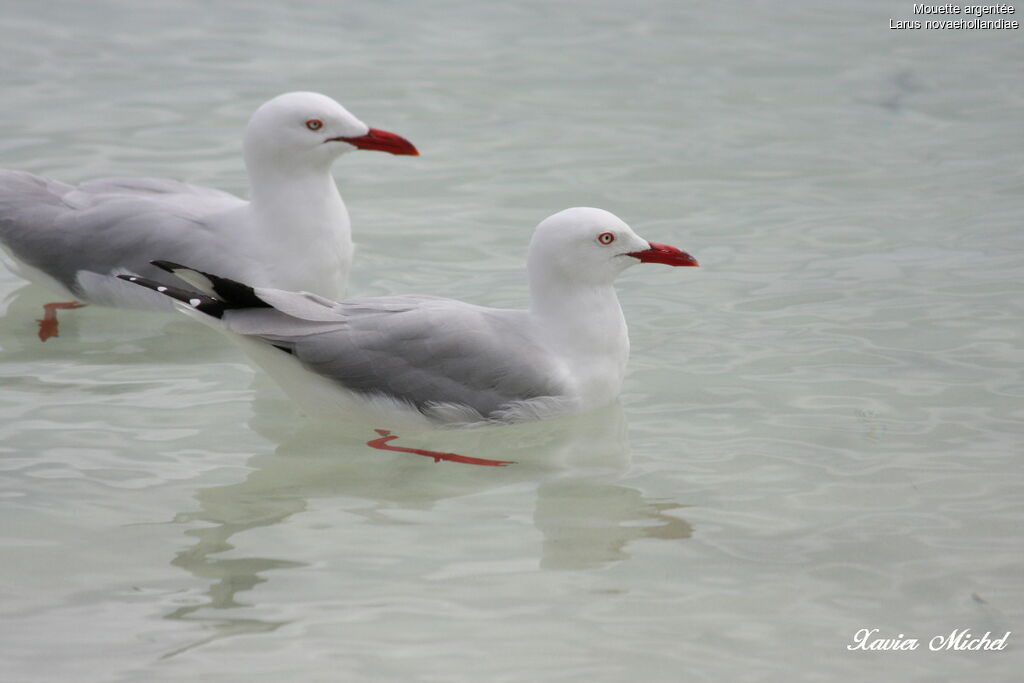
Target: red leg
point(48, 323)
point(386, 436)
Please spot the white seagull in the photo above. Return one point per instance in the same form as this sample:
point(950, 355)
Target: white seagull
point(293, 233)
point(442, 361)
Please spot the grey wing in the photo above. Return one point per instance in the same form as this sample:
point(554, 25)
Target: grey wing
point(421, 350)
point(102, 226)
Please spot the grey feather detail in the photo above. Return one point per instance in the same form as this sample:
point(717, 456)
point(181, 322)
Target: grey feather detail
point(424, 351)
point(105, 226)
point(302, 305)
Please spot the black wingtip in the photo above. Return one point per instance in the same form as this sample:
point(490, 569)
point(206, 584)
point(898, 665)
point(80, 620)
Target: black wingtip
point(233, 293)
point(169, 266)
point(201, 302)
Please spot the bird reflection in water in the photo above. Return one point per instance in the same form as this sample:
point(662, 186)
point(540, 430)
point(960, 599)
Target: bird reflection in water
point(586, 518)
point(588, 524)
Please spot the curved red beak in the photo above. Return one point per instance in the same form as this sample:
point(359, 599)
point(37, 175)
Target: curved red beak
point(663, 253)
point(382, 141)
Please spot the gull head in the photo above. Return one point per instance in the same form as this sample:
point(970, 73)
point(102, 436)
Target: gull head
point(307, 129)
point(592, 246)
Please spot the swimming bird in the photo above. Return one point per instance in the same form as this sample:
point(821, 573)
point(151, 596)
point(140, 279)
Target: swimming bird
point(292, 233)
point(437, 361)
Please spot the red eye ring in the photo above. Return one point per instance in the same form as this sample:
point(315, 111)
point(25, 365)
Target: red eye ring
point(314, 124)
point(606, 238)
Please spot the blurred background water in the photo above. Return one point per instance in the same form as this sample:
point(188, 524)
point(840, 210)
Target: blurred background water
point(821, 429)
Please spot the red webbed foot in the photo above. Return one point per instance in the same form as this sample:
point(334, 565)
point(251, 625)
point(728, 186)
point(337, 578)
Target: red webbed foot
point(383, 443)
point(48, 325)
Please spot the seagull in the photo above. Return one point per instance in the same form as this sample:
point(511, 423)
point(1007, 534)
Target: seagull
point(442, 362)
point(293, 233)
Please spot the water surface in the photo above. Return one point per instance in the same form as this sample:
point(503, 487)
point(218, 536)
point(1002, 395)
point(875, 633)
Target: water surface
point(821, 428)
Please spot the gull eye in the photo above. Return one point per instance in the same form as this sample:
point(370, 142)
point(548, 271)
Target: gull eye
point(606, 238)
point(314, 124)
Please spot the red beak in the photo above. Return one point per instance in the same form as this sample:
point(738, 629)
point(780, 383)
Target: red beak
point(382, 141)
point(663, 253)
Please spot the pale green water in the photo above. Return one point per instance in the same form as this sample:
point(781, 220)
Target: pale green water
point(821, 429)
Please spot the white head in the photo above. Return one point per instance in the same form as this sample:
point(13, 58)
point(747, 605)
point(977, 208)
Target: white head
point(591, 247)
point(301, 130)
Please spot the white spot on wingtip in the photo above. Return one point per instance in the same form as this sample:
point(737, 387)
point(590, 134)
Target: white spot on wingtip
point(195, 302)
point(161, 289)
